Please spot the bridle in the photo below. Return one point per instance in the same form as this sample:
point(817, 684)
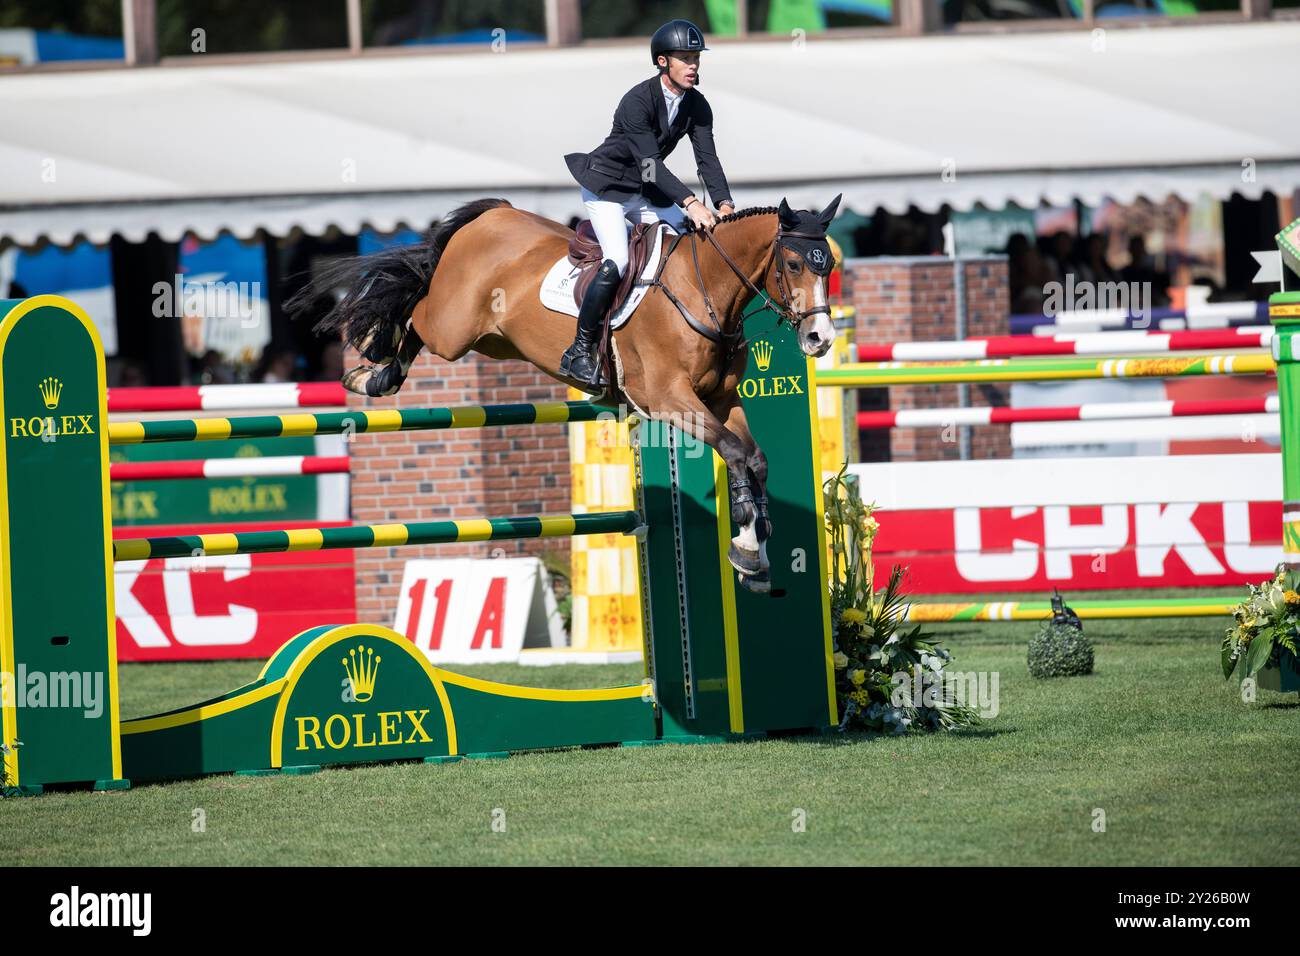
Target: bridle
point(732, 342)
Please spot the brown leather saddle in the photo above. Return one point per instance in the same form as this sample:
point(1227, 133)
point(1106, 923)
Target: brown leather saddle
point(585, 254)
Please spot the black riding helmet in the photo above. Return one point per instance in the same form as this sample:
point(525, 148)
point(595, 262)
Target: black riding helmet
point(676, 36)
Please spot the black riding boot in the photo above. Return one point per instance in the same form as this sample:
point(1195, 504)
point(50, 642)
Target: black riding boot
point(580, 362)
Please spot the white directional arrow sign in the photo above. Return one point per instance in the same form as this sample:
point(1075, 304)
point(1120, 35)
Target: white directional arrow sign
point(1270, 266)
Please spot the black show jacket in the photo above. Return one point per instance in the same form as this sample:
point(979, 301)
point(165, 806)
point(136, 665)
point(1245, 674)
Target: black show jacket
point(631, 159)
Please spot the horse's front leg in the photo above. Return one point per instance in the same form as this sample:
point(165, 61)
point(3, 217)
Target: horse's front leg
point(733, 415)
point(746, 553)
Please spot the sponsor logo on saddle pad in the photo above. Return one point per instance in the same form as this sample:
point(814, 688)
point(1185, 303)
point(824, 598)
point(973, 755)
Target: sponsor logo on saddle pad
point(556, 292)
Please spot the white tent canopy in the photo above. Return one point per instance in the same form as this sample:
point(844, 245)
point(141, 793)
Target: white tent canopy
point(392, 141)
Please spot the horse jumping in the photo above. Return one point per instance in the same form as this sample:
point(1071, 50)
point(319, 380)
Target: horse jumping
point(473, 285)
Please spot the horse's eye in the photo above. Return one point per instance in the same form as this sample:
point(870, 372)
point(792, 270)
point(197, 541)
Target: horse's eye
point(794, 266)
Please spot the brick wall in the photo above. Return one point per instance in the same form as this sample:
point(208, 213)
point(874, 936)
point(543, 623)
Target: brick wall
point(912, 299)
point(456, 473)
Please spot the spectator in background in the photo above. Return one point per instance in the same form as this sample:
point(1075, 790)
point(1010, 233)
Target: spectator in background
point(331, 363)
point(1094, 268)
point(132, 376)
point(1028, 272)
point(277, 365)
point(213, 370)
point(1141, 269)
point(1062, 256)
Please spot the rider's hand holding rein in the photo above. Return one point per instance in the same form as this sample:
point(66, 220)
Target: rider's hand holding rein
point(699, 214)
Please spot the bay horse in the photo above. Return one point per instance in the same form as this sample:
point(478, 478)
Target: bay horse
point(473, 284)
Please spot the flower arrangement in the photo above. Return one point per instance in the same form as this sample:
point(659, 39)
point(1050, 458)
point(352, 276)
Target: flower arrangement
point(888, 678)
point(1264, 626)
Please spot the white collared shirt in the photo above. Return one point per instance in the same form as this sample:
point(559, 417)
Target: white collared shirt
point(672, 100)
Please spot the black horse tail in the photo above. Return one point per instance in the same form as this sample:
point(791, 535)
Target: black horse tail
point(376, 293)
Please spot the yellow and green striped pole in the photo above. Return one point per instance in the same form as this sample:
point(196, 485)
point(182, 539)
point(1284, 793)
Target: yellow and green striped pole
point(1284, 313)
point(337, 423)
point(1087, 610)
point(1063, 368)
point(375, 535)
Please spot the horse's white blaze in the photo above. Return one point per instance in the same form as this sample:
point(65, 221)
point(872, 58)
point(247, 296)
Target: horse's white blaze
point(819, 324)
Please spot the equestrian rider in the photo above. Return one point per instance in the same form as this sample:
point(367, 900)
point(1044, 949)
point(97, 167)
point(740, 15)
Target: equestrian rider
point(625, 176)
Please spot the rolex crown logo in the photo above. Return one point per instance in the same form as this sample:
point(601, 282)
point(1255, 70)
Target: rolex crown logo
point(51, 389)
point(361, 670)
point(762, 351)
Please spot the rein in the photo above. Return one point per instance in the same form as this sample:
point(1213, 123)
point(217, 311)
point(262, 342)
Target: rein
point(735, 340)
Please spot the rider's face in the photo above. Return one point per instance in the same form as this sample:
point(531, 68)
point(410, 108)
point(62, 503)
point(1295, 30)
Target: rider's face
point(684, 69)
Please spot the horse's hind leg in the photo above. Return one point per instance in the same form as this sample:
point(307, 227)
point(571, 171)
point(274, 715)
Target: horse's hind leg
point(376, 350)
point(377, 381)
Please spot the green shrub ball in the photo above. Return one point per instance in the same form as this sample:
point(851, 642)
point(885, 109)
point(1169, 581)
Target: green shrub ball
point(1058, 650)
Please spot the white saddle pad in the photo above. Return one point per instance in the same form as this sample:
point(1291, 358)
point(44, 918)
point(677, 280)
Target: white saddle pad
point(557, 288)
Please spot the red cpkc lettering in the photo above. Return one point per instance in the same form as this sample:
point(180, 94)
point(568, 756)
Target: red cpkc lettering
point(1097, 546)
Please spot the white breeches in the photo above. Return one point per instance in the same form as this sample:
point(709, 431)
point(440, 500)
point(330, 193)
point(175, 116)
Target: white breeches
point(610, 221)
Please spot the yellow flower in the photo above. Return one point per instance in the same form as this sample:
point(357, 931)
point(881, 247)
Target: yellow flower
point(1292, 597)
point(841, 660)
point(852, 615)
point(857, 676)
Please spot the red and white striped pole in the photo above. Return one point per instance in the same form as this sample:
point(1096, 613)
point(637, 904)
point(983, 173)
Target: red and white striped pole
point(1096, 411)
point(1097, 343)
point(269, 467)
point(203, 398)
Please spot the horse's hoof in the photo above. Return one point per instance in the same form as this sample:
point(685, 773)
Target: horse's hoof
point(354, 380)
point(747, 562)
point(760, 583)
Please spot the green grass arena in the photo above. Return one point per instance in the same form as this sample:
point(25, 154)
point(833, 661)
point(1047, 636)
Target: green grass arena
point(1155, 739)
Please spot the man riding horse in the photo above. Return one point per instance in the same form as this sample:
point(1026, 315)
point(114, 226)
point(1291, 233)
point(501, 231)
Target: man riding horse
point(476, 282)
point(625, 177)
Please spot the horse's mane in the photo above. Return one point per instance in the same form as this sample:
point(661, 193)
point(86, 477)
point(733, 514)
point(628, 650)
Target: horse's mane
point(746, 213)
point(689, 226)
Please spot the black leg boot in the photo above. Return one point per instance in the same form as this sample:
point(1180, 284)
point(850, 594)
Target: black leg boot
point(580, 362)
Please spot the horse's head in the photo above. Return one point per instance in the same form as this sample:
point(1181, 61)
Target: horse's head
point(797, 281)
